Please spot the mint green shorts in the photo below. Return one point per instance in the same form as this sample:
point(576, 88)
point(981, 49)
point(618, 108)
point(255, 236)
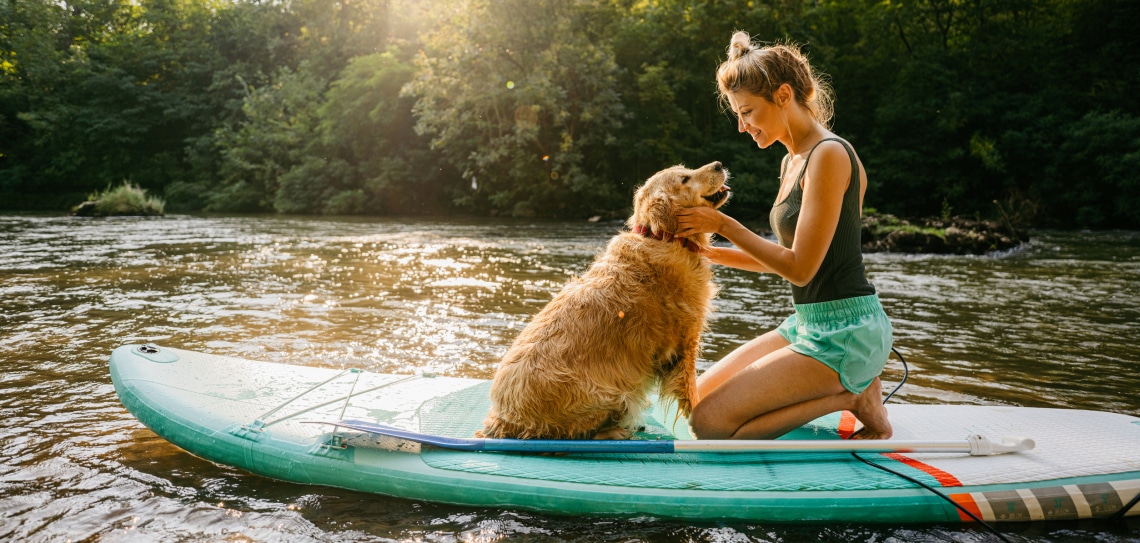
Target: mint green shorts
point(851, 336)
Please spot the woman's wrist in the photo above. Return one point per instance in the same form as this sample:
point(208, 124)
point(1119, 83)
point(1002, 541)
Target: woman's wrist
point(728, 227)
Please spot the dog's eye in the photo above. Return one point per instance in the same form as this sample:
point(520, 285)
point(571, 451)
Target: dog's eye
point(684, 179)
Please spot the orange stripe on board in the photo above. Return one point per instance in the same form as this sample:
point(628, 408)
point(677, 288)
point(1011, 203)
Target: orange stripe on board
point(846, 424)
point(943, 478)
point(967, 503)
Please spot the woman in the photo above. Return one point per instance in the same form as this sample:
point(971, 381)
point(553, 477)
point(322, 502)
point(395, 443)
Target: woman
point(828, 355)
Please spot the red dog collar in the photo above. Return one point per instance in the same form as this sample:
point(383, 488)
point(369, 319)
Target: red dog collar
point(666, 236)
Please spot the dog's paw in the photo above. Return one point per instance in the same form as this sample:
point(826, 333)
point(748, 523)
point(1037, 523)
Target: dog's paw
point(613, 433)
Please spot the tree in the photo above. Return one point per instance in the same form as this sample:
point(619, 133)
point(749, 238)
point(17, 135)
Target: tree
point(365, 122)
point(280, 120)
point(555, 108)
point(670, 50)
point(521, 97)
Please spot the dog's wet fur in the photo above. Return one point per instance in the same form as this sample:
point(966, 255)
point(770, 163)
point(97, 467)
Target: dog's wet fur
point(584, 366)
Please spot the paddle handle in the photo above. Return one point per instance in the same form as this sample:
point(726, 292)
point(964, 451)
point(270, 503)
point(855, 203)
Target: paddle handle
point(981, 445)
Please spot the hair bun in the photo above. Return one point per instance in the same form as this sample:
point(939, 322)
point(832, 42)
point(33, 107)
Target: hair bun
point(740, 45)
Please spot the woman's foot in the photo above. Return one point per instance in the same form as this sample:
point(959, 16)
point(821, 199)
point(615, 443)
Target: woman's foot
point(870, 411)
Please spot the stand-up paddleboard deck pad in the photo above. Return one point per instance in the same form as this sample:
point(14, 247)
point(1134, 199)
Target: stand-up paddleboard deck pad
point(256, 416)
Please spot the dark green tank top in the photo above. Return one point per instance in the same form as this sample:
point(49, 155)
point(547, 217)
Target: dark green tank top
point(841, 275)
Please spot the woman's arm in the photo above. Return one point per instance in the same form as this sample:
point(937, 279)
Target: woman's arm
point(827, 177)
point(735, 258)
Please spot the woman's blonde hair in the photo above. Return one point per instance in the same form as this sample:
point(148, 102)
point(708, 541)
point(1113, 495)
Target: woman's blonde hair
point(761, 70)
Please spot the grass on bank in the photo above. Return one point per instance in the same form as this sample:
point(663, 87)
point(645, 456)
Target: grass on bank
point(126, 199)
point(882, 224)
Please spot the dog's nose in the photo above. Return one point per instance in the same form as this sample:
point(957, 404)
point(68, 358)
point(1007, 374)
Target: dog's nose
point(717, 166)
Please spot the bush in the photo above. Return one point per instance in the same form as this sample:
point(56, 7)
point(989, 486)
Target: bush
point(183, 196)
point(126, 199)
point(347, 202)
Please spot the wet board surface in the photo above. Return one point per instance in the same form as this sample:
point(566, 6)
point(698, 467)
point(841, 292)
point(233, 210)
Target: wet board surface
point(253, 415)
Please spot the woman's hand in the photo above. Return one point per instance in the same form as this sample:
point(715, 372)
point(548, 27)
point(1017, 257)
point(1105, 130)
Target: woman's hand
point(705, 220)
point(698, 220)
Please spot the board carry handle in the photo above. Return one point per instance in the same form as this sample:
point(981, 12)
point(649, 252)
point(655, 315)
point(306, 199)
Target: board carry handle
point(975, 445)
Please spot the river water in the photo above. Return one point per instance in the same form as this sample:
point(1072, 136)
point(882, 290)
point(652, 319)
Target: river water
point(1054, 324)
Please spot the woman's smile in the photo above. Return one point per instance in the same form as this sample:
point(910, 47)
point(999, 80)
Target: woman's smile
point(750, 110)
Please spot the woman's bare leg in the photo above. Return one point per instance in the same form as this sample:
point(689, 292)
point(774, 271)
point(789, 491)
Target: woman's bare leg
point(782, 391)
point(869, 409)
point(740, 358)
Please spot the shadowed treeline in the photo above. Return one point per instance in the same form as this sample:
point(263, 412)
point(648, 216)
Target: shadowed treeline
point(559, 108)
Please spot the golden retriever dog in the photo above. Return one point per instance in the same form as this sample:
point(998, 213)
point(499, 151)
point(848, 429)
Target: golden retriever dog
point(584, 365)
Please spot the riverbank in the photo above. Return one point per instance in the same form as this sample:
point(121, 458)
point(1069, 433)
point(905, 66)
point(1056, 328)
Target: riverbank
point(885, 233)
point(953, 235)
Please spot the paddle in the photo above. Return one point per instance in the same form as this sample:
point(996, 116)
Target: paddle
point(975, 445)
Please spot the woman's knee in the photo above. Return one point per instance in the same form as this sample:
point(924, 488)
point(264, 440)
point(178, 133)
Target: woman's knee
point(704, 423)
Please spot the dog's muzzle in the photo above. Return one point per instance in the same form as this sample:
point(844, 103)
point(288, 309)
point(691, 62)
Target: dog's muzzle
point(719, 196)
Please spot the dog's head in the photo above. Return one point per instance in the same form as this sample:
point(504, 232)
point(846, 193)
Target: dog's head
point(655, 203)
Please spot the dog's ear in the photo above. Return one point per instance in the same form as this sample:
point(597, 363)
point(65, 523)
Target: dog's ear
point(652, 207)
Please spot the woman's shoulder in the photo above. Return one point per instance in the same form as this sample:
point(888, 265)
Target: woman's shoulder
point(834, 144)
point(831, 159)
point(832, 149)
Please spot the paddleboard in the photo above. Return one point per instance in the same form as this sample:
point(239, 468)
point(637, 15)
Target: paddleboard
point(261, 417)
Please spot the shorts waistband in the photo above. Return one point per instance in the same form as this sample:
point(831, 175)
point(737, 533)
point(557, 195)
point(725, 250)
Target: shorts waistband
point(846, 308)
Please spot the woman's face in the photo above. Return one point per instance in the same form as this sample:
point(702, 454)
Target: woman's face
point(758, 117)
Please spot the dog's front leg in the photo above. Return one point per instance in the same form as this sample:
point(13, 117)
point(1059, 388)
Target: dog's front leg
point(679, 375)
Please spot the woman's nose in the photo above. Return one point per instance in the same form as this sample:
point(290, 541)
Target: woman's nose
point(740, 125)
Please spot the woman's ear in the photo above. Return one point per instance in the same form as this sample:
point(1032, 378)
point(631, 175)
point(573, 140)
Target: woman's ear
point(784, 95)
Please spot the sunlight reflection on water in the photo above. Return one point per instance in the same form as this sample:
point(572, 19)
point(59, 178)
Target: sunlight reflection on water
point(1053, 324)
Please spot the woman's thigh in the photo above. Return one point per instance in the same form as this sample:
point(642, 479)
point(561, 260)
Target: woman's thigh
point(737, 360)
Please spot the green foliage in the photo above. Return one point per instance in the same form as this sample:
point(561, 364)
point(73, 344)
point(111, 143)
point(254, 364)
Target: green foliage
point(1105, 149)
point(975, 100)
point(279, 122)
point(517, 94)
point(125, 199)
point(106, 90)
point(367, 123)
point(881, 225)
point(555, 108)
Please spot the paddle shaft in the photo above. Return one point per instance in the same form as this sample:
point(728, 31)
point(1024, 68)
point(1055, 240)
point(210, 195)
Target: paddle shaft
point(850, 445)
point(721, 446)
point(976, 445)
